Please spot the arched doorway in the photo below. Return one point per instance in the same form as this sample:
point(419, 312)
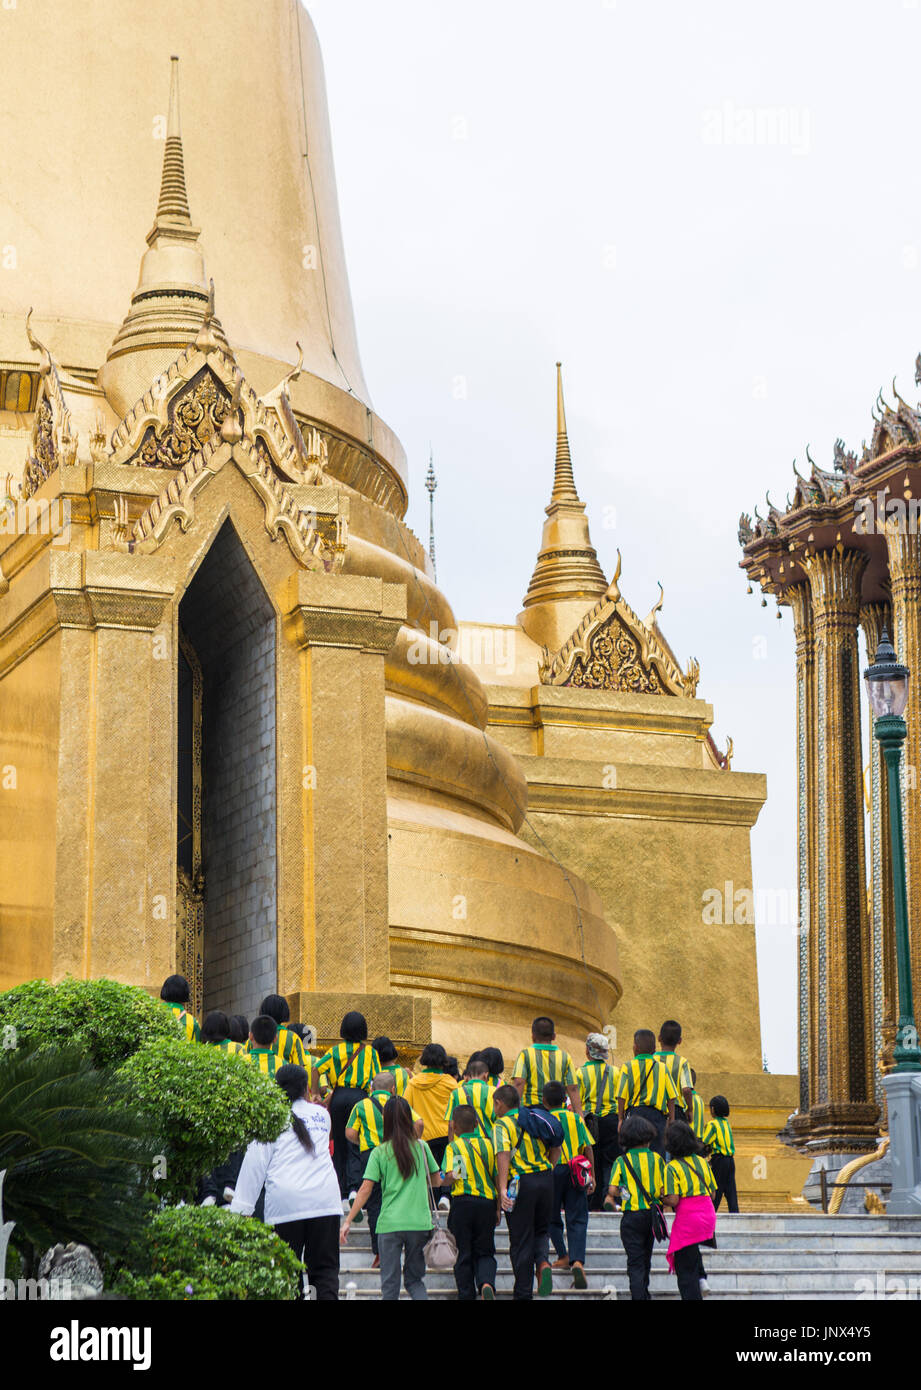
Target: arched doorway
point(226, 782)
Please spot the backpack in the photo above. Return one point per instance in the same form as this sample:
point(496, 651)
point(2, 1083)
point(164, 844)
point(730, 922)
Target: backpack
point(541, 1125)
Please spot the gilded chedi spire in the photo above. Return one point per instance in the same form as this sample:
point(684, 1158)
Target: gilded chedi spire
point(567, 578)
point(172, 295)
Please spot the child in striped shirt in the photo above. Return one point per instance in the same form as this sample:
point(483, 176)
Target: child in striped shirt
point(639, 1174)
point(471, 1160)
point(718, 1136)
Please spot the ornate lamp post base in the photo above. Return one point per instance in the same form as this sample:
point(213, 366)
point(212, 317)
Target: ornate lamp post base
point(903, 1101)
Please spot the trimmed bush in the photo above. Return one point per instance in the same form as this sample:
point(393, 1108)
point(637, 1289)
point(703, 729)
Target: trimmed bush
point(209, 1253)
point(103, 1019)
point(205, 1103)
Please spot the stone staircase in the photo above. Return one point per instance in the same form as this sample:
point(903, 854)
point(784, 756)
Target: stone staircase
point(759, 1256)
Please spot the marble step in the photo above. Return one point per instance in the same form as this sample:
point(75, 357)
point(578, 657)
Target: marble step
point(903, 1261)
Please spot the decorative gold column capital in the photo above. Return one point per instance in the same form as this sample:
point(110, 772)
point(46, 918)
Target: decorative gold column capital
point(904, 551)
point(834, 582)
point(345, 610)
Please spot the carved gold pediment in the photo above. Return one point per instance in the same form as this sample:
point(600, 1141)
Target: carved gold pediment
point(613, 649)
point(187, 405)
point(53, 441)
point(316, 533)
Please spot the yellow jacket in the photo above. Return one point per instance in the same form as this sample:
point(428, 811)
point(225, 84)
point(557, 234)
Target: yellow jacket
point(428, 1092)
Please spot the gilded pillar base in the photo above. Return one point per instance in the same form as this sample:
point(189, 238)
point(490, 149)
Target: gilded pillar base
point(838, 1127)
point(404, 1018)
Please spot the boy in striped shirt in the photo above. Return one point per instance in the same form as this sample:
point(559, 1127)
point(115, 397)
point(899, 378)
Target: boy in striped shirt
point(645, 1088)
point(639, 1174)
point(287, 1044)
point(698, 1121)
point(475, 1092)
point(262, 1052)
point(568, 1195)
point(387, 1056)
point(678, 1067)
point(718, 1135)
point(543, 1061)
point(528, 1163)
point(471, 1160)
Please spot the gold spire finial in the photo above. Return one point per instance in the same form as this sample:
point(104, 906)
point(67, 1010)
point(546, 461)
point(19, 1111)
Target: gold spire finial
point(564, 484)
point(174, 200)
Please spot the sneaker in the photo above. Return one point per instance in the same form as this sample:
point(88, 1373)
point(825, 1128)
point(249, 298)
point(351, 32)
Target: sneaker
point(444, 1204)
point(361, 1215)
point(578, 1276)
point(561, 1263)
point(609, 1204)
point(544, 1280)
point(488, 1293)
point(346, 1206)
point(376, 1262)
point(704, 1289)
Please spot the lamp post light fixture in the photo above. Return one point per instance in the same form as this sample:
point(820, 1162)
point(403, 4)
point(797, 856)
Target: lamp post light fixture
point(887, 688)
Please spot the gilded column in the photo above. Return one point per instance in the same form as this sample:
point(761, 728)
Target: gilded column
point(874, 618)
point(904, 549)
point(801, 604)
point(842, 1112)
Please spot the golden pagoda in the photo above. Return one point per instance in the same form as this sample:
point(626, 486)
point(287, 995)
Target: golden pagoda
point(243, 735)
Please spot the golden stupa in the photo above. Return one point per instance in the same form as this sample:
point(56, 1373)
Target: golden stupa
point(242, 734)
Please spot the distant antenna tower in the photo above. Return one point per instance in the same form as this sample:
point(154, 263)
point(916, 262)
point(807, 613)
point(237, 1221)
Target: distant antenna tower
point(431, 484)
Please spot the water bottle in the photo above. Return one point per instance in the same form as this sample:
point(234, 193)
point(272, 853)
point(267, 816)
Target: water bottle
point(512, 1189)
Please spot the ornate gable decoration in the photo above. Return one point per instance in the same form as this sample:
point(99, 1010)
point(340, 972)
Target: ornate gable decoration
point(53, 440)
point(613, 649)
point(187, 405)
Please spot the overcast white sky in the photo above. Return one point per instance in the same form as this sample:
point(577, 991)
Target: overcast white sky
point(711, 213)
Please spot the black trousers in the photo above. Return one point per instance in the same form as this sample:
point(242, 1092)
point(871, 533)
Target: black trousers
point(637, 1239)
point(529, 1229)
point(658, 1119)
point(438, 1147)
point(472, 1223)
point(607, 1151)
point(689, 1270)
point(724, 1170)
point(316, 1242)
point(346, 1159)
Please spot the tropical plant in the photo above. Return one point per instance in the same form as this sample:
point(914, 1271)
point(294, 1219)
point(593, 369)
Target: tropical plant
point(206, 1103)
point(209, 1253)
point(106, 1020)
point(77, 1155)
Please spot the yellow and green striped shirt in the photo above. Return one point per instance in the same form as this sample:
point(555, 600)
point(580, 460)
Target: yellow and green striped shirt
point(400, 1075)
point(188, 1021)
point(289, 1047)
point(350, 1064)
point(679, 1069)
point(472, 1160)
point(478, 1095)
point(689, 1177)
point(575, 1134)
point(649, 1169)
point(698, 1120)
point(645, 1081)
point(540, 1063)
point(266, 1060)
point(718, 1135)
point(234, 1048)
point(368, 1118)
point(592, 1078)
point(529, 1156)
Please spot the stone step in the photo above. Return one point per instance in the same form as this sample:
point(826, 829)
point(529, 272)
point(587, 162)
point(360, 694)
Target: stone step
point(845, 1284)
point(902, 1261)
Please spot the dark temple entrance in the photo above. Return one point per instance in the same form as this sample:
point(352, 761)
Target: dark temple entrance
point(226, 841)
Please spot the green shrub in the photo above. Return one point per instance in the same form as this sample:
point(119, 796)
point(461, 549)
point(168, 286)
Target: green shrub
point(209, 1253)
point(77, 1155)
point(103, 1019)
point(205, 1103)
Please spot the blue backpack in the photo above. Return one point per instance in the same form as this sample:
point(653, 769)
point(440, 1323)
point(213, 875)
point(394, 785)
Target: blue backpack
point(541, 1125)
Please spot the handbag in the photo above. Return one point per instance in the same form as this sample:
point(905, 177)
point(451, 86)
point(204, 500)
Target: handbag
point(659, 1224)
point(441, 1250)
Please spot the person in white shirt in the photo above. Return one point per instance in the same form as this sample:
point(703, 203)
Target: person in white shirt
point(302, 1198)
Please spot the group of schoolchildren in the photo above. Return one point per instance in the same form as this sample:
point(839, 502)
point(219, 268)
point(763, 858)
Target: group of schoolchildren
point(539, 1150)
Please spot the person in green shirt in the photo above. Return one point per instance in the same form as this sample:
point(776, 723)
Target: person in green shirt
point(365, 1129)
point(404, 1167)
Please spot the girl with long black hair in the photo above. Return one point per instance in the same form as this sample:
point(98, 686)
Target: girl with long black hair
point(301, 1190)
point(403, 1166)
